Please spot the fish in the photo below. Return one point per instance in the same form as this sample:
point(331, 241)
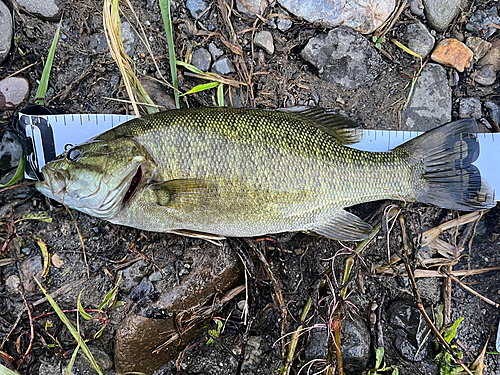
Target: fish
point(242, 172)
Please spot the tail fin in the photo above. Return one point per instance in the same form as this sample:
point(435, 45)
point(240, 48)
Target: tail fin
point(450, 180)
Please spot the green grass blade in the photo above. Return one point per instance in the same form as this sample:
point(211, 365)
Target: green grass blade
point(220, 95)
point(5, 371)
point(72, 361)
point(44, 81)
point(70, 327)
point(81, 310)
point(203, 87)
point(167, 20)
point(190, 67)
point(111, 295)
point(19, 173)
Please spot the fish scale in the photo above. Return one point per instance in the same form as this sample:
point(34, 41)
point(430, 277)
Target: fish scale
point(249, 172)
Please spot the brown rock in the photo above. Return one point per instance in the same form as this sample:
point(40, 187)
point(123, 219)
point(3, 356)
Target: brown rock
point(479, 46)
point(139, 342)
point(452, 53)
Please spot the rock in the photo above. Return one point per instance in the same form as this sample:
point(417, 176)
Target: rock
point(452, 53)
point(479, 46)
point(157, 93)
point(44, 9)
point(284, 24)
point(440, 13)
point(5, 31)
point(10, 151)
point(344, 57)
point(485, 75)
point(29, 268)
point(483, 22)
point(144, 292)
point(411, 330)
point(253, 356)
point(183, 301)
point(201, 59)
point(356, 343)
point(469, 107)
point(129, 38)
point(50, 369)
point(264, 39)
point(133, 275)
point(215, 51)
point(196, 7)
point(495, 111)
point(430, 104)
point(223, 66)
point(492, 56)
point(103, 360)
point(362, 15)
point(12, 284)
point(97, 43)
point(14, 91)
point(250, 8)
point(419, 39)
point(416, 7)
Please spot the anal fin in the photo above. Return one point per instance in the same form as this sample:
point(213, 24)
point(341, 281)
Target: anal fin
point(345, 227)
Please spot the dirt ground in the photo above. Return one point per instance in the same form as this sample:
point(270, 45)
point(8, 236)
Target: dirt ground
point(84, 80)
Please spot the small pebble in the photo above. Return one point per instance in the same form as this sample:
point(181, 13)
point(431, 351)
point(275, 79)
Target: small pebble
point(264, 39)
point(129, 38)
point(201, 59)
point(440, 13)
point(492, 56)
point(452, 53)
point(416, 7)
point(12, 284)
point(14, 91)
point(470, 108)
point(483, 22)
point(215, 51)
point(249, 8)
point(485, 75)
point(196, 7)
point(284, 24)
point(223, 66)
point(419, 39)
point(479, 46)
point(44, 9)
point(5, 31)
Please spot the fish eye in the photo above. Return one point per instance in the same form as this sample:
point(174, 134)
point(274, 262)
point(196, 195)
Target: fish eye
point(74, 154)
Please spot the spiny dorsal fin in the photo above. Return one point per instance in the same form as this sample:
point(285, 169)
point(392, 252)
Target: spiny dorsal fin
point(184, 193)
point(345, 130)
point(344, 227)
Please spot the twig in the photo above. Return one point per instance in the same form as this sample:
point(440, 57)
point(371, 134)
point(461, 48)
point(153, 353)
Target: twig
point(32, 330)
point(469, 289)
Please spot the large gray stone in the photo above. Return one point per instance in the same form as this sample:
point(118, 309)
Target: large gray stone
point(363, 15)
point(5, 31)
point(430, 104)
point(343, 56)
point(44, 9)
point(440, 13)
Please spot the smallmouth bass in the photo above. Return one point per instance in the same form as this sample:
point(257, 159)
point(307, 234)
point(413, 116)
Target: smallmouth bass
point(234, 172)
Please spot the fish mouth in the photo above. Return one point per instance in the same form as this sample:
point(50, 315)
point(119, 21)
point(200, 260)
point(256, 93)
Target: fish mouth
point(134, 183)
point(54, 183)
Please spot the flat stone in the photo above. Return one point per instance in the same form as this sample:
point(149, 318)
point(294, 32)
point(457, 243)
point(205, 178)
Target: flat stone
point(196, 7)
point(419, 39)
point(360, 15)
point(485, 75)
point(492, 56)
point(344, 57)
point(452, 53)
point(10, 151)
point(264, 39)
point(129, 38)
point(5, 31)
point(14, 91)
point(479, 46)
point(201, 59)
point(284, 24)
point(157, 93)
point(440, 13)
point(211, 274)
point(215, 51)
point(223, 66)
point(250, 8)
point(430, 104)
point(30, 268)
point(44, 9)
point(470, 107)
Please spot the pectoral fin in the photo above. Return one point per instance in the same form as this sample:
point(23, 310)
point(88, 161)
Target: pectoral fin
point(345, 227)
point(184, 193)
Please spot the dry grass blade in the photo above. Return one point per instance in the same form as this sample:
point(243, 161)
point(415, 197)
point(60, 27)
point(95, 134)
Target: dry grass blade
point(431, 234)
point(112, 29)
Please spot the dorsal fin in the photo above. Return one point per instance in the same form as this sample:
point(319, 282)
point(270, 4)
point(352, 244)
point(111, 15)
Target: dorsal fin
point(345, 130)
